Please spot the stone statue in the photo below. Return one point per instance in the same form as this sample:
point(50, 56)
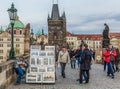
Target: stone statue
point(82, 43)
point(106, 39)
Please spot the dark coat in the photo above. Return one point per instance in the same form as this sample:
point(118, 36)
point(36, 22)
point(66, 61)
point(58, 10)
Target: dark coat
point(72, 53)
point(117, 59)
point(78, 53)
point(85, 60)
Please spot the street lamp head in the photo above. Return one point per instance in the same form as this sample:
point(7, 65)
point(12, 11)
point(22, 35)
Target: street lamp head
point(12, 13)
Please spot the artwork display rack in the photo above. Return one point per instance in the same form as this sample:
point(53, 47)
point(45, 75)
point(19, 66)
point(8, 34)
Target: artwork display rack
point(42, 65)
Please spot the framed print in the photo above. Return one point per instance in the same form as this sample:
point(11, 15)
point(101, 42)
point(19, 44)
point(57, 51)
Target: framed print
point(45, 61)
point(50, 48)
point(51, 69)
point(34, 69)
point(35, 47)
point(34, 53)
point(42, 53)
point(31, 75)
point(32, 61)
point(39, 77)
point(51, 53)
point(48, 77)
point(39, 61)
point(42, 69)
point(31, 80)
point(52, 61)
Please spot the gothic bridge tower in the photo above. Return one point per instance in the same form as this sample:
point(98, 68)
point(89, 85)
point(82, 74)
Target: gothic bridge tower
point(56, 27)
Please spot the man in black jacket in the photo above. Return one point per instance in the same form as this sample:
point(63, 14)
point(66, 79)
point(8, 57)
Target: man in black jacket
point(85, 63)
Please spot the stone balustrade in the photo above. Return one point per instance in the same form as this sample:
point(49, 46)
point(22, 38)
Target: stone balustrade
point(7, 74)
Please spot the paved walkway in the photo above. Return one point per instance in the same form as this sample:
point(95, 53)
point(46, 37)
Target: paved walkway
point(98, 80)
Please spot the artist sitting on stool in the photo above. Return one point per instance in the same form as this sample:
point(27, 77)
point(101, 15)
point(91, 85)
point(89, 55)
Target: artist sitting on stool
point(20, 66)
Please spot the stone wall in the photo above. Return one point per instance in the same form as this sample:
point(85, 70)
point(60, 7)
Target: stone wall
point(7, 74)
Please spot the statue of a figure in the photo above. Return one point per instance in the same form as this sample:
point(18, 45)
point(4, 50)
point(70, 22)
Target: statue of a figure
point(106, 39)
point(82, 43)
point(106, 32)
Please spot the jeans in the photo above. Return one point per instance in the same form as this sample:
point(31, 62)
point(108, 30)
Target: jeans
point(78, 61)
point(110, 69)
point(105, 63)
point(85, 74)
point(63, 69)
point(116, 64)
point(73, 63)
point(20, 73)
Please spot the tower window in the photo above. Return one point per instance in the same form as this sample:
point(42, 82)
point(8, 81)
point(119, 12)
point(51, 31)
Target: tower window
point(8, 39)
point(1, 51)
point(17, 39)
point(17, 45)
point(20, 32)
point(14, 31)
point(1, 39)
point(1, 57)
point(8, 45)
point(1, 45)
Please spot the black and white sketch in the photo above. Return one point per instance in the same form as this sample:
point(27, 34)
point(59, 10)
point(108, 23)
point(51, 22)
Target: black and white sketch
point(39, 77)
point(50, 48)
point(32, 61)
point(42, 53)
point(50, 69)
point(35, 47)
point(42, 69)
point(51, 53)
point(34, 69)
point(34, 53)
point(51, 61)
point(45, 61)
point(39, 61)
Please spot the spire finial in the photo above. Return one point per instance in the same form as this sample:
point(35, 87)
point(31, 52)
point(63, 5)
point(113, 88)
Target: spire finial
point(55, 1)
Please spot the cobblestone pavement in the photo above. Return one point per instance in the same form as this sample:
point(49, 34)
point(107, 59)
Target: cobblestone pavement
point(98, 80)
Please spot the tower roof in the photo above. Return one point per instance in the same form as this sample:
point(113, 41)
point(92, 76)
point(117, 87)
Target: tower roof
point(63, 15)
point(17, 24)
point(55, 12)
point(1, 29)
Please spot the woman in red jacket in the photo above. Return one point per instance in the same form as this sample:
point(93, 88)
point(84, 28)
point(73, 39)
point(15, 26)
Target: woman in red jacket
point(109, 57)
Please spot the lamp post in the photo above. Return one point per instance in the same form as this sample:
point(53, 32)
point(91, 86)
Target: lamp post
point(12, 15)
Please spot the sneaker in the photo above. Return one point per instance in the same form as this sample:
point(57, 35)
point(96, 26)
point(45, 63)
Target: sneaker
point(64, 77)
point(112, 77)
point(86, 82)
point(79, 83)
point(77, 79)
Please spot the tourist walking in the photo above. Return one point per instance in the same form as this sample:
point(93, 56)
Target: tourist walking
point(63, 58)
point(117, 60)
point(72, 59)
point(109, 55)
point(85, 63)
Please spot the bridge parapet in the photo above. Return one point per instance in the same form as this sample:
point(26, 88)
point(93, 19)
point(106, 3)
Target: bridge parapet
point(7, 74)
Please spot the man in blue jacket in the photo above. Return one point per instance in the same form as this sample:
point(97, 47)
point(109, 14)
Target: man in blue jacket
point(78, 56)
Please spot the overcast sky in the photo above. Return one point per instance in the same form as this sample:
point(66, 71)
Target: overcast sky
point(83, 16)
